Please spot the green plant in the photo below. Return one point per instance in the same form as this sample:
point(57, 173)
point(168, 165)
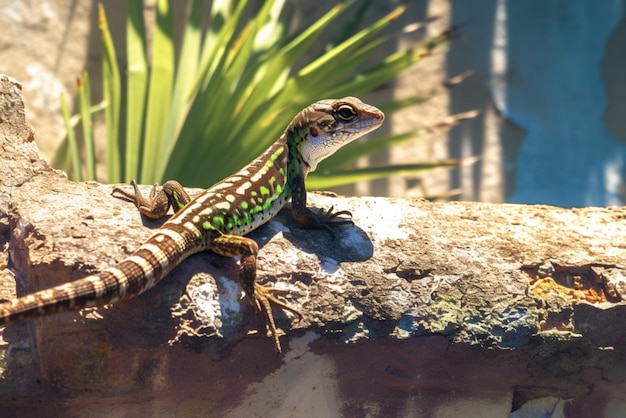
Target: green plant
point(198, 112)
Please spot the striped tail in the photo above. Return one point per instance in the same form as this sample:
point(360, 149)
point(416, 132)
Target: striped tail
point(139, 272)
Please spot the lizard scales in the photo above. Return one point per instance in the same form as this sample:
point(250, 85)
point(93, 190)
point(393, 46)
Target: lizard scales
point(217, 218)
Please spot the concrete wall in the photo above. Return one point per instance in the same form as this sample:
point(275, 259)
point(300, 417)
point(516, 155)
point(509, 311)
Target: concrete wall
point(550, 68)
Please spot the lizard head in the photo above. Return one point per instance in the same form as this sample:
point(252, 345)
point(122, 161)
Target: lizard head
point(328, 125)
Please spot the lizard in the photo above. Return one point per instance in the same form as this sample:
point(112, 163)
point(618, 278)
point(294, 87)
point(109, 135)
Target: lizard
point(218, 218)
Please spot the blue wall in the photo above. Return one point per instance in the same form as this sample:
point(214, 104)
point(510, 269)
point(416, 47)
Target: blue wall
point(552, 87)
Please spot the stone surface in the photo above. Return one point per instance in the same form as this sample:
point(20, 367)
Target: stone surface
point(419, 309)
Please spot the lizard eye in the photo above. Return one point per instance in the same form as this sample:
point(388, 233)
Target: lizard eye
point(345, 112)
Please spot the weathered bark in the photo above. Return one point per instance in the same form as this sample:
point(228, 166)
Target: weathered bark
point(416, 308)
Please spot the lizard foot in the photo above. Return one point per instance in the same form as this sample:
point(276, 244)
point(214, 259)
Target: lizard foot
point(155, 206)
point(263, 301)
point(336, 218)
point(327, 219)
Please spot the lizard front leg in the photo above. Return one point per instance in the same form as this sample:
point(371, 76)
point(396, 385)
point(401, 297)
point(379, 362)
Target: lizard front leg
point(324, 219)
point(259, 296)
point(156, 205)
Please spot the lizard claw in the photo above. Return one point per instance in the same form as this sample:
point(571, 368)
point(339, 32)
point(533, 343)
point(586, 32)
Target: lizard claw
point(327, 219)
point(336, 217)
point(263, 299)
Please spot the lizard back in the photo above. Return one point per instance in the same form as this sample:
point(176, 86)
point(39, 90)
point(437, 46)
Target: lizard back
point(243, 201)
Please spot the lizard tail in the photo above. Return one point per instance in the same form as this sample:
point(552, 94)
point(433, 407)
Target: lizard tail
point(87, 292)
point(132, 276)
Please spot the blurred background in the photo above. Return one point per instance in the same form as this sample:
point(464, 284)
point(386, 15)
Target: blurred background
point(543, 85)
